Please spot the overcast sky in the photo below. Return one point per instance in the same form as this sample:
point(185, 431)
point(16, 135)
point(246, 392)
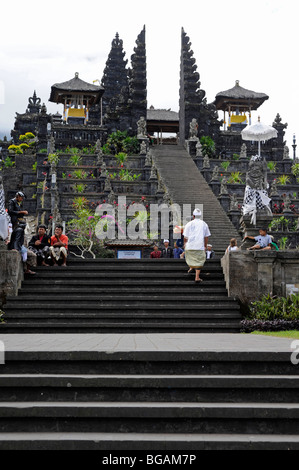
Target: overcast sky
point(255, 42)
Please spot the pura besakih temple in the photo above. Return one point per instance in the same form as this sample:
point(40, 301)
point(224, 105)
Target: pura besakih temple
point(91, 113)
point(192, 99)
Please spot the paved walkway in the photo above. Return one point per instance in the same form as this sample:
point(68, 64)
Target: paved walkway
point(164, 342)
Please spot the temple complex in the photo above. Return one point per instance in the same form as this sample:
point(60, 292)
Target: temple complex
point(116, 349)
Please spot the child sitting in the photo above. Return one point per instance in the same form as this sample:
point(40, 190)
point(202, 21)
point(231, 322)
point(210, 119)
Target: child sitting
point(263, 241)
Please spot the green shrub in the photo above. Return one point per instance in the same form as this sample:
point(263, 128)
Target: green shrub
point(208, 146)
point(275, 308)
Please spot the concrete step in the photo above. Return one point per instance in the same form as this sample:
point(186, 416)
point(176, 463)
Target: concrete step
point(255, 418)
point(150, 388)
point(146, 441)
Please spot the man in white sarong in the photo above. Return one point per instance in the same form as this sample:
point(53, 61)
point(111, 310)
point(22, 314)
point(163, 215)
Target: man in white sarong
point(196, 235)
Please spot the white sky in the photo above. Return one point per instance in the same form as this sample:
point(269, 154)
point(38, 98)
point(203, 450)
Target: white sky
point(254, 41)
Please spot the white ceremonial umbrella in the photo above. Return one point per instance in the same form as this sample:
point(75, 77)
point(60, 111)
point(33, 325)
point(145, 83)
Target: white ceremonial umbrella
point(258, 132)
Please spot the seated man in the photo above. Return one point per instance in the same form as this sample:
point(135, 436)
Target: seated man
point(167, 251)
point(156, 253)
point(59, 246)
point(177, 251)
point(40, 245)
point(263, 241)
point(209, 252)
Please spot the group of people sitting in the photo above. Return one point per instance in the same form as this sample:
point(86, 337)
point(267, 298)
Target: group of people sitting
point(45, 249)
point(177, 252)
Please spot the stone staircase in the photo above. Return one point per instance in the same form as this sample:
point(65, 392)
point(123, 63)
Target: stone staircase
point(186, 185)
point(110, 295)
point(147, 392)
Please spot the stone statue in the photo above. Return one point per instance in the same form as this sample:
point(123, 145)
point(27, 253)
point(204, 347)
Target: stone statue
point(256, 199)
point(111, 197)
point(273, 191)
point(100, 160)
point(153, 172)
point(223, 187)
point(103, 170)
point(148, 159)
point(141, 128)
point(193, 129)
point(143, 148)
point(199, 149)
point(234, 203)
point(99, 146)
point(107, 186)
point(287, 202)
point(243, 153)
point(51, 145)
point(215, 174)
point(166, 198)
point(286, 153)
point(206, 162)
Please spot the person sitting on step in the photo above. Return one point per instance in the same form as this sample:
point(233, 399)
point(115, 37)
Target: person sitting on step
point(263, 241)
point(40, 245)
point(232, 245)
point(209, 252)
point(59, 246)
point(156, 253)
point(167, 251)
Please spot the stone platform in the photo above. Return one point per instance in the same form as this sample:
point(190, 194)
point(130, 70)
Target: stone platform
point(165, 391)
point(164, 342)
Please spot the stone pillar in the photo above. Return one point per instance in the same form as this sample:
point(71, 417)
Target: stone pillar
point(191, 146)
point(11, 272)
point(265, 262)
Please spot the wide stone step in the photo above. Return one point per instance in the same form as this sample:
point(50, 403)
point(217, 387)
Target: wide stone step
point(205, 326)
point(126, 300)
point(57, 274)
point(146, 441)
point(150, 388)
point(63, 291)
point(273, 418)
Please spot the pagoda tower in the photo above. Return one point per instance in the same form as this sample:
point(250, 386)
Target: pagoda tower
point(138, 82)
point(115, 75)
point(192, 99)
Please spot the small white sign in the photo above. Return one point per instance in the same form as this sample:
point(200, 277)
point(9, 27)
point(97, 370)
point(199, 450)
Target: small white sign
point(129, 254)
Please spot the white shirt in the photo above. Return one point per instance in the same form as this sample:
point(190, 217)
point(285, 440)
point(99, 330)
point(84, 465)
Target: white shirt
point(196, 231)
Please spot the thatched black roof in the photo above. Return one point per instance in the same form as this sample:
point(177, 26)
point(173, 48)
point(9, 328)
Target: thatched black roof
point(239, 96)
point(75, 86)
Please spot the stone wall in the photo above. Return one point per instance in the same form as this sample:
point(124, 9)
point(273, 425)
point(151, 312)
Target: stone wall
point(11, 273)
point(249, 275)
